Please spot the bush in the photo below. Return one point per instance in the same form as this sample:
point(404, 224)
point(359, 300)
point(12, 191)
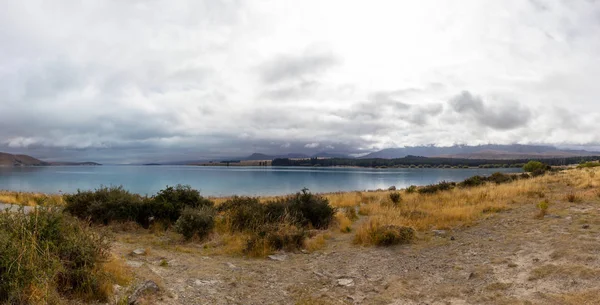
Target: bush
point(411, 189)
point(395, 198)
point(532, 166)
point(275, 237)
point(538, 172)
point(472, 181)
point(500, 178)
point(434, 188)
point(543, 208)
point(588, 164)
point(47, 255)
point(169, 203)
point(110, 204)
point(104, 205)
point(244, 213)
point(196, 222)
point(310, 210)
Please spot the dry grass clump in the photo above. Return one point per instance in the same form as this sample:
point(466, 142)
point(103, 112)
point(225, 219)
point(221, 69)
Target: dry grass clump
point(47, 256)
point(316, 242)
point(343, 222)
point(542, 209)
point(30, 199)
point(375, 233)
point(576, 271)
point(572, 197)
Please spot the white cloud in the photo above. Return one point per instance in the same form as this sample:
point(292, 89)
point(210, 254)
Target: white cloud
point(209, 77)
point(312, 145)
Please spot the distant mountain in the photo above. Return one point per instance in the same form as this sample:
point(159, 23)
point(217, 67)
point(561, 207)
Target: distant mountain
point(19, 160)
point(74, 163)
point(258, 156)
point(325, 154)
point(10, 160)
point(489, 151)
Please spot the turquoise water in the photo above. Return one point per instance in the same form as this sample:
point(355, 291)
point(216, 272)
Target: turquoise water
point(222, 181)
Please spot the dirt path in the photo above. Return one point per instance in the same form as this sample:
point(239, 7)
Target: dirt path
point(509, 258)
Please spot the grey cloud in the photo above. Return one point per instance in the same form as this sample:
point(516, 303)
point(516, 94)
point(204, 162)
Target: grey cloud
point(508, 115)
point(286, 67)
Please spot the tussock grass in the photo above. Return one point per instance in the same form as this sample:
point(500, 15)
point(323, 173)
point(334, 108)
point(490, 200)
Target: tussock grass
point(31, 199)
point(47, 256)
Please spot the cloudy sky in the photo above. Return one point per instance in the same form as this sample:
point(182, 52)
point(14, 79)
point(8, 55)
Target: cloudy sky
point(128, 81)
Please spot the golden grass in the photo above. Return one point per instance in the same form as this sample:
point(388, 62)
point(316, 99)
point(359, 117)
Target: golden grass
point(462, 207)
point(343, 223)
point(317, 242)
point(30, 199)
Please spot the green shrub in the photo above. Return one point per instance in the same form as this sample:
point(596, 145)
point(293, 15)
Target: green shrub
point(538, 172)
point(588, 164)
point(500, 178)
point(434, 188)
point(110, 204)
point(244, 213)
point(196, 222)
point(532, 166)
point(411, 189)
point(309, 209)
point(169, 203)
point(275, 237)
point(543, 208)
point(473, 181)
point(47, 255)
point(104, 205)
point(395, 197)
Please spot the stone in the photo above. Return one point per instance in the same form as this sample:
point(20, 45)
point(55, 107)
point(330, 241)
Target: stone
point(139, 251)
point(134, 264)
point(278, 257)
point(142, 289)
point(585, 226)
point(346, 282)
point(232, 266)
point(452, 238)
point(439, 232)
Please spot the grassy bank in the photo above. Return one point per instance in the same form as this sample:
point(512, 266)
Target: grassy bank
point(39, 262)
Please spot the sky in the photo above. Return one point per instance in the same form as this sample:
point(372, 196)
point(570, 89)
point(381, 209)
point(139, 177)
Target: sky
point(152, 80)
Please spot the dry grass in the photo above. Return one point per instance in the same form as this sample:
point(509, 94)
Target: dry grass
point(463, 206)
point(30, 199)
point(587, 297)
point(343, 223)
point(577, 271)
point(317, 242)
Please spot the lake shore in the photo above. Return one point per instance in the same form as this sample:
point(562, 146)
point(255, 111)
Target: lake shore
point(522, 240)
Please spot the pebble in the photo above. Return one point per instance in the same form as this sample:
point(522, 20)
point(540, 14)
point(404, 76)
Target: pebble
point(278, 257)
point(345, 282)
point(139, 251)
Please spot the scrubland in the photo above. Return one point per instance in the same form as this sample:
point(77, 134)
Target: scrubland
point(518, 239)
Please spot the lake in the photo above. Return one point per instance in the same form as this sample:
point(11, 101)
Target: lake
point(223, 181)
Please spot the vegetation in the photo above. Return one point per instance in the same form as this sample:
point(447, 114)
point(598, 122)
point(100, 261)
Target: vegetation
point(196, 222)
point(30, 199)
point(395, 197)
point(115, 204)
point(588, 164)
point(424, 162)
point(535, 166)
point(46, 256)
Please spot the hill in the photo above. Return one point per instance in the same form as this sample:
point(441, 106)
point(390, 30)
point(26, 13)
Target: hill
point(489, 151)
point(10, 160)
